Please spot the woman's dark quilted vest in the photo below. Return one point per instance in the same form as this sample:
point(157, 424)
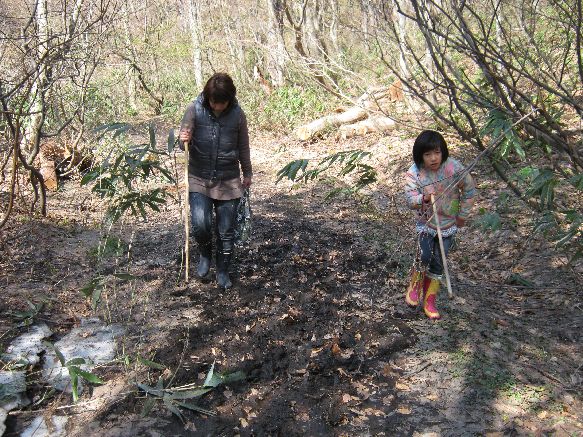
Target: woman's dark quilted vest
point(214, 149)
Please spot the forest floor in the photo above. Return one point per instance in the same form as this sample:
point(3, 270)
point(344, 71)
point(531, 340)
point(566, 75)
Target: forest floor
point(316, 320)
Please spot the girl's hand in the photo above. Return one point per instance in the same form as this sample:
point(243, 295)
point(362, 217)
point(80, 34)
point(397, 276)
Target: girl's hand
point(247, 182)
point(427, 192)
point(460, 222)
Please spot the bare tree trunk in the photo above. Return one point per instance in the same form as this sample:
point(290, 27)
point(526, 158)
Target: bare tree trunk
point(578, 25)
point(74, 19)
point(131, 83)
point(308, 40)
point(34, 126)
point(132, 91)
point(401, 20)
point(195, 23)
point(276, 46)
point(234, 37)
point(236, 48)
point(312, 30)
point(334, 18)
point(428, 11)
point(368, 20)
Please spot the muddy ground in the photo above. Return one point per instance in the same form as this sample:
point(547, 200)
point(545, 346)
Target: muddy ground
point(316, 320)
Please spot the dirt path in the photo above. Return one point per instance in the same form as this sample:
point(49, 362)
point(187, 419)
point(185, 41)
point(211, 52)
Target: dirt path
point(316, 320)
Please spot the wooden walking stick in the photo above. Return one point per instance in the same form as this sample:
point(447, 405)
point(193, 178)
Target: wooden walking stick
point(441, 249)
point(186, 215)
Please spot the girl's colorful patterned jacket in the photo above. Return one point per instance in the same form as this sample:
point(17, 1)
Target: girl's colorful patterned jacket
point(455, 203)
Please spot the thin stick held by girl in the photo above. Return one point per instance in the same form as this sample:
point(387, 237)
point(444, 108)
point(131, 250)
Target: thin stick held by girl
point(435, 173)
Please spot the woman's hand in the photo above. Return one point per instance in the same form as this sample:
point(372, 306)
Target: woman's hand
point(185, 135)
point(247, 182)
point(460, 222)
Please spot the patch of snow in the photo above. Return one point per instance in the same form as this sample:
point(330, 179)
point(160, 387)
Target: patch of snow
point(3, 416)
point(25, 349)
point(93, 341)
point(39, 427)
point(12, 389)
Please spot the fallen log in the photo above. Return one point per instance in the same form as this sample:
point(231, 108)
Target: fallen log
point(369, 125)
point(330, 121)
point(358, 119)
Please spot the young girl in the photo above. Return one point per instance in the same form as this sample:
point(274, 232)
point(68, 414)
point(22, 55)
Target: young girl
point(434, 172)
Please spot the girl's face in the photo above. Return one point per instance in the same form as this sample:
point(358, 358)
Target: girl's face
point(432, 159)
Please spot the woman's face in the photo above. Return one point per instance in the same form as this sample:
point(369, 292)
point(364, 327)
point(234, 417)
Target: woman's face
point(218, 106)
point(432, 159)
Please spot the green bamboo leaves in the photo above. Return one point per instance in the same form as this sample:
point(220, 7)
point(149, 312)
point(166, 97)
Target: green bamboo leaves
point(175, 398)
point(117, 179)
point(75, 371)
point(349, 161)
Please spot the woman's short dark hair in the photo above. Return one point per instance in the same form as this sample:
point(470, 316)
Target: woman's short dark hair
point(219, 88)
point(426, 141)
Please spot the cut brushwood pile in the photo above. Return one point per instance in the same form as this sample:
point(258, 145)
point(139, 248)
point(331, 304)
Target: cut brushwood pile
point(367, 115)
point(58, 160)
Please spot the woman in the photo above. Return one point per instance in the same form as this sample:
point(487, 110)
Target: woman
point(215, 128)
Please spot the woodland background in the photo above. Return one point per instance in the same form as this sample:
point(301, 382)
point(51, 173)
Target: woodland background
point(473, 67)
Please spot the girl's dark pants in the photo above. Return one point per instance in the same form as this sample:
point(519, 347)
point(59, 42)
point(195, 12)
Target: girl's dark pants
point(430, 253)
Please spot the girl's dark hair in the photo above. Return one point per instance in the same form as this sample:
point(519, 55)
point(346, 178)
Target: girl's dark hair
point(426, 141)
point(219, 88)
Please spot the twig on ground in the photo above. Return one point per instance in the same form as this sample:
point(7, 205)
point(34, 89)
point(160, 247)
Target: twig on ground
point(414, 372)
